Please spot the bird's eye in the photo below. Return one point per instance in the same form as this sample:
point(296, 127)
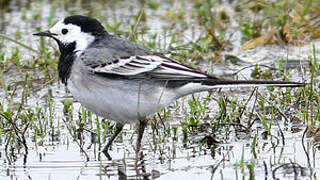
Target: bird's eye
point(64, 31)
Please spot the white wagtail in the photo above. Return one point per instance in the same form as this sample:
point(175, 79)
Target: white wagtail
point(121, 81)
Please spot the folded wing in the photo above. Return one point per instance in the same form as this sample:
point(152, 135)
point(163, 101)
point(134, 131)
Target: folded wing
point(137, 67)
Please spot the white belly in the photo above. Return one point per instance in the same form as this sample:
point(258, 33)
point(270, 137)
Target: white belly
point(123, 101)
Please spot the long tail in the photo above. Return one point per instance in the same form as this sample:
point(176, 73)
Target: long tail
point(217, 83)
point(208, 84)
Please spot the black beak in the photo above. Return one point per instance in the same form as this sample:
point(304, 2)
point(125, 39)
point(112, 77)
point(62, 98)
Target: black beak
point(51, 35)
point(45, 33)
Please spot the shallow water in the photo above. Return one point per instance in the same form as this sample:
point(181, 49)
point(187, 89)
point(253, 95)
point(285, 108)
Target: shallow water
point(167, 155)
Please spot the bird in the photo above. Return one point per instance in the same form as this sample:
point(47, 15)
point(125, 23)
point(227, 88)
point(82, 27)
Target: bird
point(122, 81)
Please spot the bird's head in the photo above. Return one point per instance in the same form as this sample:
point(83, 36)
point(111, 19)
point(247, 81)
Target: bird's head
point(74, 33)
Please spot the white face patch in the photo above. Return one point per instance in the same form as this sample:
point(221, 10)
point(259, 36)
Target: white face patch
point(72, 33)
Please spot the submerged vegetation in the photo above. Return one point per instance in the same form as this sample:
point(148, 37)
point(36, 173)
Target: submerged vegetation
point(237, 133)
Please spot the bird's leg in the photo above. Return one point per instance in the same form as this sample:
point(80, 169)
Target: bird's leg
point(115, 134)
point(142, 126)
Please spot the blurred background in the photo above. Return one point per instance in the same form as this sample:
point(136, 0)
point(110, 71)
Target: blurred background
point(226, 134)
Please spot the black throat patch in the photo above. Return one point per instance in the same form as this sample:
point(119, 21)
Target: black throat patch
point(66, 60)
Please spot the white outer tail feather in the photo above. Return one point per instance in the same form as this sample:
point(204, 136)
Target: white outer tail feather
point(198, 87)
